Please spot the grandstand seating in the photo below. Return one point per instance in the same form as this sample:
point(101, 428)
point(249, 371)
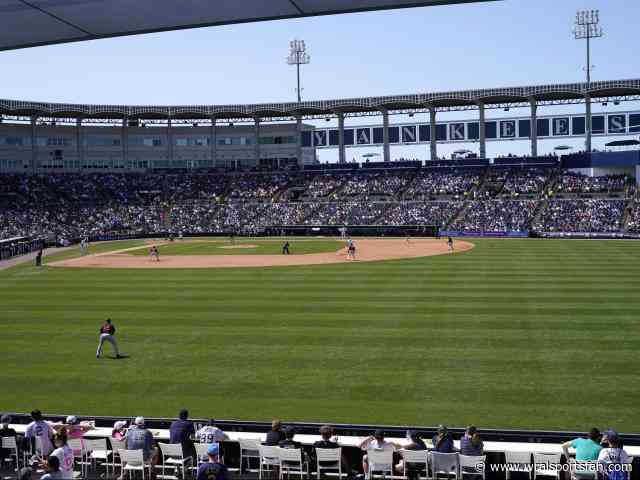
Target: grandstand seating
point(484, 199)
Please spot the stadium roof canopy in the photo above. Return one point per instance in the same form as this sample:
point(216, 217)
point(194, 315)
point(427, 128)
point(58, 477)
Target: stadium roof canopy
point(454, 100)
point(30, 23)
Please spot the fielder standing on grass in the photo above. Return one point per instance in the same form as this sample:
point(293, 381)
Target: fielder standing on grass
point(107, 332)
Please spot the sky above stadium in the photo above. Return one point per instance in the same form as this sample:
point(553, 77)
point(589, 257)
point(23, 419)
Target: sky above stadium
point(507, 43)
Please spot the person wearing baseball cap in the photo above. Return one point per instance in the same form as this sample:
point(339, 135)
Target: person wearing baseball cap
point(212, 469)
point(139, 438)
point(442, 440)
point(613, 455)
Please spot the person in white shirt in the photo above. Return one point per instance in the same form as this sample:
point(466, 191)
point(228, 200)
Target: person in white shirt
point(375, 442)
point(64, 454)
point(211, 434)
point(40, 431)
point(613, 460)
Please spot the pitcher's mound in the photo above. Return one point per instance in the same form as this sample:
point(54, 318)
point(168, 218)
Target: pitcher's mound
point(367, 250)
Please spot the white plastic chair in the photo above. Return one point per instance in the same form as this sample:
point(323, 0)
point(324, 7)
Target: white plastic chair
point(133, 460)
point(116, 446)
point(201, 455)
point(444, 464)
point(379, 460)
point(517, 462)
point(415, 458)
point(248, 449)
point(97, 450)
point(583, 470)
point(269, 459)
point(472, 465)
point(9, 443)
point(291, 462)
point(77, 445)
point(329, 459)
point(543, 465)
point(173, 457)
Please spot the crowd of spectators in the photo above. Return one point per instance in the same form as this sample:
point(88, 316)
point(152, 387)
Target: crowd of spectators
point(430, 184)
point(421, 213)
point(571, 182)
point(72, 206)
point(496, 216)
point(581, 215)
point(633, 224)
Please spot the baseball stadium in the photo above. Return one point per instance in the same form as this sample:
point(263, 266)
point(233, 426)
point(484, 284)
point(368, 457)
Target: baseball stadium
point(412, 286)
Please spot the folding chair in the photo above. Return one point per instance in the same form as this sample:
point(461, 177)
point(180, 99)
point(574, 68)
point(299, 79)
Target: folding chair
point(444, 464)
point(472, 465)
point(379, 460)
point(133, 460)
point(97, 450)
point(414, 460)
point(9, 443)
point(79, 453)
point(248, 449)
point(517, 462)
point(329, 459)
point(116, 446)
point(269, 459)
point(291, 462)
point(173, 457)
point(543, 465)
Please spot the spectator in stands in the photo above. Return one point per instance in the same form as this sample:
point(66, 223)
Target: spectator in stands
point(64, 453)
point(181, 431)
point(5, 431)
point(276, 435)
point(211, 434)
point(288, 441)
point(613, 454)
point(471, 443)
point(119, 431)
point(587, 449)
point(415, 442)
point(41, 430)
point(326, 432)
point(52, 468)
point(443, 441)
point(212, 469)
point(374, 442)
point(73, 426)
point(139, 438)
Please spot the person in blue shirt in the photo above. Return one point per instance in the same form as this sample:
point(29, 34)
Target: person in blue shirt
point(181, 431)
point(212, 469)
point(471, 443)
point(139, 438)
point(443, 441)
point(587, 449)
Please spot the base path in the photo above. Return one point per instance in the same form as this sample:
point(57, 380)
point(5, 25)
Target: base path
point(367, 250)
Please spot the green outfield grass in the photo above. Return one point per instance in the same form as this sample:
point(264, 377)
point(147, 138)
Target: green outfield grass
point(515, 333)
point(238, 247)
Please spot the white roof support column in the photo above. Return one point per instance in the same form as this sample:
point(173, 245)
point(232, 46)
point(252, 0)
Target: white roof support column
point(125, 142)
point(79, 145)
point(587, 123)
point(482, 130)
point(534, 127)
point(213, 143)
point(169, 143)
point(342, 153)
point(257, 133)
point(433, 142)
point(34, 143)
point(386, 156)
point(299, 140)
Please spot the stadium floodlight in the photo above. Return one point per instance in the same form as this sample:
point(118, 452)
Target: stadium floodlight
point(587, 27)
point(298, 56)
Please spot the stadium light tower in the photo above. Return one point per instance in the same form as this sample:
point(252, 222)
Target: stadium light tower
point(587, 27)
point(298, 56)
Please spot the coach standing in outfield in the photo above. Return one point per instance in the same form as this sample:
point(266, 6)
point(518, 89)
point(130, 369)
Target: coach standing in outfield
point(107, 332)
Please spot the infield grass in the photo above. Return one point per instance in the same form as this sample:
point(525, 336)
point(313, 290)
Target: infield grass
point(514, 333)
point(244, 247)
